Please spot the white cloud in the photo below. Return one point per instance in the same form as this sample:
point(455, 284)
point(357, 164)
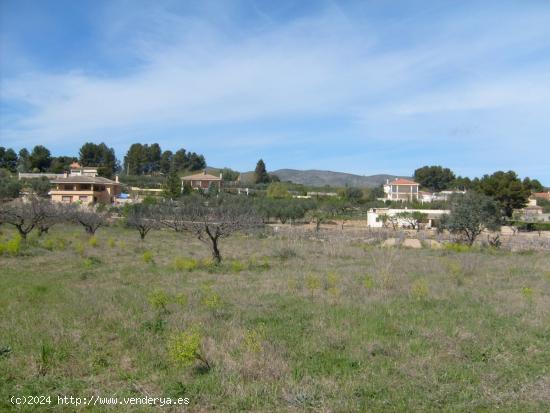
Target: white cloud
point(189, 73)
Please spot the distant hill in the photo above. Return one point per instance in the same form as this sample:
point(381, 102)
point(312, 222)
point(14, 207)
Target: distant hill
point(314, 177)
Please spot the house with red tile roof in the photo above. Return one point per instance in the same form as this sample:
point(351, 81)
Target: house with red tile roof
point(401, 189)
point(541, 195)
point(203, 181)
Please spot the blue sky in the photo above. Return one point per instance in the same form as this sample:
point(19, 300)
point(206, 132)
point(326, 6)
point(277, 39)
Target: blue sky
point(363, 87)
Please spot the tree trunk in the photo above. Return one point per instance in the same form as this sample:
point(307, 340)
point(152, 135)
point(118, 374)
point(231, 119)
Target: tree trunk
point(216, 256)
point(21, 232)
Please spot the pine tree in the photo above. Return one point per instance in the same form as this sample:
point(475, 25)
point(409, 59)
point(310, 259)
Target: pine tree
point(172, 187)
point(260, 173)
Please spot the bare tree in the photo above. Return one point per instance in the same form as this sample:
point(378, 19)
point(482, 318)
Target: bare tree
point(212, 220)
point(144, 218)
point(53, 214)
point(90, 219)
point(25, 215)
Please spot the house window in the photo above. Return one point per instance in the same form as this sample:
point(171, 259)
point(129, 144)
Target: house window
point(83, 197)
point(66, 198)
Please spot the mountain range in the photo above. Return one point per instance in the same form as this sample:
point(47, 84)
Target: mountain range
point(314, 177)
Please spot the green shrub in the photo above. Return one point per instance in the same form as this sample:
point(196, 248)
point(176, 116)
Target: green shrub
point(159, 300)
point(147, 257)
point(92, 241)
point(261, 265)
point(312, 282)
point(111, 243)
point(527, 293)
point(13, 246)
point(90, 262)
point(210, 299)
point(185, 264)
point(55, 244)
point(456, 247)
point(184, 348)
point(237, 266)
point(207, 264)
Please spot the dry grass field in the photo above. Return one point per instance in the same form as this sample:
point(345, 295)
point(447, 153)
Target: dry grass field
point(287, 323)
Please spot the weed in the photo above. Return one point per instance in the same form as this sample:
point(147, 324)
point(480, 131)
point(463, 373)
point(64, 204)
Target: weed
point(5, 351)
point(159, 300)
point(111, 243)
point(147, 257)
point(368, 282)
point(285, 253)
point(237, 266)
point(55, 244)
point(157, 325)
point(253, 339)
point(45, 359)
point(255, 265)
point(212, 301)
point(90, 262)
point(527, 293)
point(185, 264)
point(181, 299)
point(456, 247)
point(312, 283)
point(184, 348)
point(92, 241)
point(13, 246)
point(420, 289)
point(79, 248)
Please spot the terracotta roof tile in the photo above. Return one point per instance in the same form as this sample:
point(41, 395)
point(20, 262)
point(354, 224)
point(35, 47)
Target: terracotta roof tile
point(402, 181)
point(201, 177)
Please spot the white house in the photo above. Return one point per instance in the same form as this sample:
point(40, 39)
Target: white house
point(401, 189)
point(375, 220)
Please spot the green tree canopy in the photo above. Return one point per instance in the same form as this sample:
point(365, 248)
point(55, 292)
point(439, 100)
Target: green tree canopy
point(24, 161)
point(277, 190)
point(8, 159)
point(506, 188)
point(471, 213)
point(40, 158)
point(435, 178)
point(260, 173)
point(99, 155)
point(533, 185)
point(166, 162)
point(172, 186)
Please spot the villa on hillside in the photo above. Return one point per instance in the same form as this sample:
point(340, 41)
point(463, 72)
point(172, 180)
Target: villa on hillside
point(202, 181)
point(401, 189)
point(82, 185)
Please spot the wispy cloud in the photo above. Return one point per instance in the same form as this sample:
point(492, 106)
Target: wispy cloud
point(187, 72)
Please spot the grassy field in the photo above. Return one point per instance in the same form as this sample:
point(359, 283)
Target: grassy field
point(287, 324)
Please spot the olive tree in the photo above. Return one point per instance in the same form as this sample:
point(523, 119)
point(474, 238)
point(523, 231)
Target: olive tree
point(470, 215)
